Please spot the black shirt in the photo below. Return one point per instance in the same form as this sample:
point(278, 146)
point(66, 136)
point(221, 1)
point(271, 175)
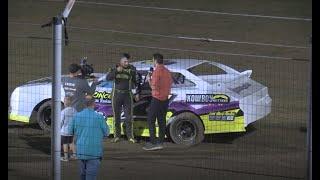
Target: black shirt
point(77, 88)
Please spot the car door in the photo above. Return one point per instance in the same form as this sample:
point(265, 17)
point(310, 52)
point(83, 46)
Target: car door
point(103, 97)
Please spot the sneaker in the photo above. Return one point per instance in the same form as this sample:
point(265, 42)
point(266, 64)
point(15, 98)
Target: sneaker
point(152, 147)
point(160, 146)
point(115, 140)
point(64, 159)
point(74, 157)
point(132, 140)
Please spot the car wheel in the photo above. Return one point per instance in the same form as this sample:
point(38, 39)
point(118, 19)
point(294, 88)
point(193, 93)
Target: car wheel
point(44, 115)
point(187, 129)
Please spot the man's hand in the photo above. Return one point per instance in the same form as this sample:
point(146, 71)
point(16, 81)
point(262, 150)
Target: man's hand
point(119, 68)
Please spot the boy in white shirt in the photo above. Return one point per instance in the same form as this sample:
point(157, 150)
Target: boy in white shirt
point(66, 139)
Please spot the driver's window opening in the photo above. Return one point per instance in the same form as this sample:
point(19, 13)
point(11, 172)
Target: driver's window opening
point(179, 80)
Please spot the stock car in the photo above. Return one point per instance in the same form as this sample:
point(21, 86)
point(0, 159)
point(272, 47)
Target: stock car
point(207, 97)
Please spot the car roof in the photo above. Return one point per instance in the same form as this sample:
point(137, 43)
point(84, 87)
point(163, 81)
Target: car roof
point(172, 64)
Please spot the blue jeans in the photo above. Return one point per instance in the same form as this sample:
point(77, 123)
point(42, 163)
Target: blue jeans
point(89, 168)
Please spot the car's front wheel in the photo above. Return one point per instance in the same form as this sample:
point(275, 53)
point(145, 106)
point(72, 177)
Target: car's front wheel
point(187, 129)
point(44, 115)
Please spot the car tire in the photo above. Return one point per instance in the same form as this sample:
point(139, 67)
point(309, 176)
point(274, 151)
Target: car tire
point(44, 115)
point(186, 129)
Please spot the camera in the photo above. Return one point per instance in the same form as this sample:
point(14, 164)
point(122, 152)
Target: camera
point(86, 69)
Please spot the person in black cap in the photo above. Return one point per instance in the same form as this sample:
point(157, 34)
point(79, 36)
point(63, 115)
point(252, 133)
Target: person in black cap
point(77, 87)
point(125, 80)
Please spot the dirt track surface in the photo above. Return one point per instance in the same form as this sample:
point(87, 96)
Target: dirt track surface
point(249, 155)
point(273, 148)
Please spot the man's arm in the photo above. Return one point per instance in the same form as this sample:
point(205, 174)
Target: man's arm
point(62, 118)
point(71, 126)
point(154, 81)
point(112, 74)
point(136, 82)
point(134, 75)
point(86, 88)
point(104, 127)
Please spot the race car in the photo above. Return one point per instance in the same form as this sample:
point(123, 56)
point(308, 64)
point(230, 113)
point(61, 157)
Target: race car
point(206, 97)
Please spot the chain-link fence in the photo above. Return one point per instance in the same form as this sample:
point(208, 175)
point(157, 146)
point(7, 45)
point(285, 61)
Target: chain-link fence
point(239, 98)
point(273, 147)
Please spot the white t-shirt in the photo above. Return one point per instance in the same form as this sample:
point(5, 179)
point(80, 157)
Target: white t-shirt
point(66, 117)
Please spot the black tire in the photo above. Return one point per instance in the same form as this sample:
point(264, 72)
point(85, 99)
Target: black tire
point(44, 115)
point(186, 129)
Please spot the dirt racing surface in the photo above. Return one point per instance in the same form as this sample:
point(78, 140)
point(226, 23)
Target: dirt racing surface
point(247, 155)
point(273, 148)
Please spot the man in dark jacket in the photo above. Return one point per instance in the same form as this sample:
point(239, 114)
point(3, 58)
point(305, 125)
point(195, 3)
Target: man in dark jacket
point(125, 78)
point(77, 87)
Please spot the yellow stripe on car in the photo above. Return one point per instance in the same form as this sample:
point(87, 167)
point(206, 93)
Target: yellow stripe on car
point(221, 126)
point(16, 117)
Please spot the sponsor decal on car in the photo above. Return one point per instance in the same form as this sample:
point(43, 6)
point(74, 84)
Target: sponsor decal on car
point(102, 97)
point(222, 116)
point(207, 98)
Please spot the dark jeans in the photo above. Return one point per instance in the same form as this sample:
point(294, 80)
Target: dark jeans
point(89, 169)
point(124, 99)
point(158, 110)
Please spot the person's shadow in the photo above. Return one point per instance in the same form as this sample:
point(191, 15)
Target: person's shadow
point(41, 143)
point(228, 138)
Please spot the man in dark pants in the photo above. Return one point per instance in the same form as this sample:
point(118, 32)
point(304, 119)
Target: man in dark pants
point(125, 79)
point(160, 82)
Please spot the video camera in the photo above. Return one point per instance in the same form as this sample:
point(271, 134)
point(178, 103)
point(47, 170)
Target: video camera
point(86, 69)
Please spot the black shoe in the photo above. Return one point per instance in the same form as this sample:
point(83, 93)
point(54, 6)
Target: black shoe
point(152, 147)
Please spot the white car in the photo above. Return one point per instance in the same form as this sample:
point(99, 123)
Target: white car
point(206, 97)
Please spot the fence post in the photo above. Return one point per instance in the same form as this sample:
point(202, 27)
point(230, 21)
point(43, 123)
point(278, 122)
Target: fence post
point(56, 96)
point(309, 129)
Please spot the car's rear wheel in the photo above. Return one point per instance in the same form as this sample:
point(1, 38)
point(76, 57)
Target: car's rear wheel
point(187, 129)
point(44, 115)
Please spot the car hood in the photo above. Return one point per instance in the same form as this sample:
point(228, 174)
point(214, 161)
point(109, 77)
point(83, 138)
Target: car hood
point(41, 81)
point(47, 80)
